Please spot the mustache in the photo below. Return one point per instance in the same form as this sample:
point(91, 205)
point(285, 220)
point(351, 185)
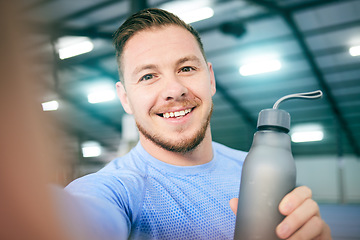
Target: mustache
point(184, 103)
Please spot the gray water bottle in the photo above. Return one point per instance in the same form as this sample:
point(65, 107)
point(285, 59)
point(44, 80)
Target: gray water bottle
point(268, 174)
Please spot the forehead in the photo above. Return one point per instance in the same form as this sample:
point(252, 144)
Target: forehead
point(157, 45)
point(171, 32)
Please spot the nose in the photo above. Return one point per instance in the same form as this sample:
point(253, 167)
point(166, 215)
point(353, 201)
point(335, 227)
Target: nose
point(174, 89)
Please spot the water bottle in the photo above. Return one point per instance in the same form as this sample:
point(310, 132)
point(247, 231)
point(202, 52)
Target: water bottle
point(268, 174)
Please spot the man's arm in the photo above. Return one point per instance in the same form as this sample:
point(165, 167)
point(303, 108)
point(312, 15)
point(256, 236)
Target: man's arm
point(302, 221)
point(28, 208)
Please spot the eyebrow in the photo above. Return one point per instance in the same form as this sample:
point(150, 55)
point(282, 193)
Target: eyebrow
point(144, 67)
point(188, 59)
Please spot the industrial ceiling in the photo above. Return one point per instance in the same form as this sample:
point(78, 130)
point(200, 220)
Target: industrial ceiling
point(311, 38)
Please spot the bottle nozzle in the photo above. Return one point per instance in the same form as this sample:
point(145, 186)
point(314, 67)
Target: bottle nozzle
point(280, 118)
point(308, 95)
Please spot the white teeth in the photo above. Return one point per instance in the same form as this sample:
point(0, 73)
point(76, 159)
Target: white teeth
point(176, 114)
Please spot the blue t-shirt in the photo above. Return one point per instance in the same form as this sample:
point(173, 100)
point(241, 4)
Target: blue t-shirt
point(151, 199)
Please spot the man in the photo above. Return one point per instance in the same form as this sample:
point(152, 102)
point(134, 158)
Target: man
point(176, 183)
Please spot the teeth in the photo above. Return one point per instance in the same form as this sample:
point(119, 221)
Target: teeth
point(176, 114)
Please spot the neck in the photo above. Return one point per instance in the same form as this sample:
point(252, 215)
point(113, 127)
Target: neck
point(200, 155)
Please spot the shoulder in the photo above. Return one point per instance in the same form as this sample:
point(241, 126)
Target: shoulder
point(107, 180)
point(115, 187)
point(229, 153)
point(122, 172)
point(123, 189)
point(119, 182)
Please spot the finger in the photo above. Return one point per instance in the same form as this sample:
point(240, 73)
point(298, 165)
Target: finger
point(234, 204)
point(313, 229)
point(294, 199)
point(298, 218)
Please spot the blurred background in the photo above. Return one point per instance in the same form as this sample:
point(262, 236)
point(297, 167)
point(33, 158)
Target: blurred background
point(261, 50)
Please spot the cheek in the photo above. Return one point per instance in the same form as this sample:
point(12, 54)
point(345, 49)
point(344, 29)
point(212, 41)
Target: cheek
point(204, 90)
point(141, 101)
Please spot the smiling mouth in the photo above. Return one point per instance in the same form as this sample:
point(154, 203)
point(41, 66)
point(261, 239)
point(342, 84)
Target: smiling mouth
point(176, 114)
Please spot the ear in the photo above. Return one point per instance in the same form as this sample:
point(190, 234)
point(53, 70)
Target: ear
point(212, 79)
point(122, 95)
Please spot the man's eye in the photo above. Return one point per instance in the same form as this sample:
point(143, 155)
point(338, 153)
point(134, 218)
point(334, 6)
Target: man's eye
point(147, 77)
point(187, 69)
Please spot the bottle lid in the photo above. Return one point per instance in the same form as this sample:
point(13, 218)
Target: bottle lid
point(274, 118)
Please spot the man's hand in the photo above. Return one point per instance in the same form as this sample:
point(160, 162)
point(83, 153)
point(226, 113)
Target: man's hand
point(302, 221)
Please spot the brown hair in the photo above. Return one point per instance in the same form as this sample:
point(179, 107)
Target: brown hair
point(146, 19)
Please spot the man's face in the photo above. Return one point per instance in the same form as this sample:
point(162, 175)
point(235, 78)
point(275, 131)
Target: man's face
point(168, 87)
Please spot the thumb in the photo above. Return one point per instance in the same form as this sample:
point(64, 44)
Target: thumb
point(234, 204)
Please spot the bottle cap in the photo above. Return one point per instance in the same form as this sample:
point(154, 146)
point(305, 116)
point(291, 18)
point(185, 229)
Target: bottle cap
point(274, 118)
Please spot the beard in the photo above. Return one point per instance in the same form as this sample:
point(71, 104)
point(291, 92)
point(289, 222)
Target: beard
point(183, 145)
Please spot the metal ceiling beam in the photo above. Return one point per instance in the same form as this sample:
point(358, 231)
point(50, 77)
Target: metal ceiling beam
point(70, 62)
point(288, 17)
point(253, 18)
point(322, 82)
point(234, 102)
point(332, 28)
point(312, 4)
point(91, 111)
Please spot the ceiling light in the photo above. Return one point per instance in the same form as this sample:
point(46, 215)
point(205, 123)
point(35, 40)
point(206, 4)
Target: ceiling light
point(50, 106)
point(307, 133)
point(311, 136)
point(259, 67)
point(101, 96)
point(72, 46)
point(91, 149)
point(200, 9)
point(355, 51)
point(197, 15)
